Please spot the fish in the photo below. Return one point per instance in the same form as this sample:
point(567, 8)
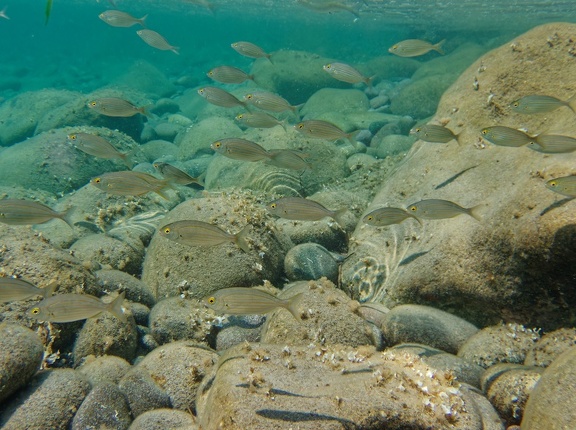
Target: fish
point(116, 107)
point(250, 50)
point(27, 212)
point(47, 11)
point(18, 289)
point(259, 120)
point(156, 40)
point(204, 3)
point(240, 149)
point(434, 133)
point(388, 216)
point(298, 208)
point(175, 175)
point(288, 159)
point(3, 13)
point(346, 73)
point(269, 101)
point(565, 185)
point(250, 301)
point(219, 97)
point(328, 6)
point(415, 47)
point(199, 233)
point(441, 209)
point(553, 144)
point(541, 104)
point(506, 136)
point(320, 129)
point(130, 183)
point(229, 75)
point(117, 18)
point(98, 147)
point(70, 307)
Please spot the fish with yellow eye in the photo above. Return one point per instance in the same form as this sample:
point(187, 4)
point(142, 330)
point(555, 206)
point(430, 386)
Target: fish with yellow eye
point(565, 185)
point(116, 107)
point(346, 73)
point(250, 301)
point(74, 307)
point(534, 104)
point(131, 183)
point(441, 209)
point(388, 216)
point(415, 48)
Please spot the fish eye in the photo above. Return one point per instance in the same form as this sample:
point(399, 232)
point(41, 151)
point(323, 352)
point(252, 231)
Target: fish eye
point(395, 47)
point(167, 230)
point(201, 91)
point(484, 132)
point(72, 137)
point(515, 104)
point(210, 73)
point(92, 104)
point(35, 311)
point(328, 66)
point(300, 126)
point(273, 205)
point(217, 144)
point(370, 218)
point(240, 116)
point(553, 183)
point(97, 180)
point(249, 96)
point(417, 130)
point(413, 208)
point(211, 300)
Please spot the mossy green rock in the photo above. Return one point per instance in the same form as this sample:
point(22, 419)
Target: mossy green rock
point(392, 67)
point(334, 100)
point(420, 98)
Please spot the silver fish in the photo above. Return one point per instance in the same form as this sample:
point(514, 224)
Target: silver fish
point(175, 175)
point(506, 136)
point(259, 120)
point(74, 307)
point(229, 75)
point(26, 212)
point(434, 133)
point(19, 289)
point(117, 18)
point(298, 208)
point(441, 209)
point(116, 107)
point(288, 159)
point(320, 129)
point(199, 233)
point(346, 73)
point(240, 149)
point(156, 40)
point(329, 6)
point(219, 97)
point(388, 216)
point(250, 301)
point(541, 104)
point(98, 147)
point(415, 47)
point(553, 144)
point(3, 13)
point(130, 183)
point(565, 185)
point(269, 101)
point(250, 50)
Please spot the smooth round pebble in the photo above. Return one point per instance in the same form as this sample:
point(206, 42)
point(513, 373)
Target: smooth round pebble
point(551, 403)
point(176, 318)
point(550, 346)
point(164, 419)
point(48, 402)
point(105, 407)
point(143, 393)
point(106, 368)
point(426, 325)
point(167, 130)
point(21, 353)
point(136, 290)
point(499, 344)
point(326, 232)
point(310, 261)
point(238, 329)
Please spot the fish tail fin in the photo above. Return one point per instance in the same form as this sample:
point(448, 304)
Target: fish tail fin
point(126, 157)
point(438, 47)
point(475, 212)
point(571, 103)
point(175, 50)
point(200, 180)
point(241, 236)
point(269, 57)
point(3, 13)
point(457, 137)
point(296, 108)
point(49, 289)
point(352, 136)
point(145, 110)
point(284, 123)
point(165, 183)
point(115, 307)
point(370, 80)
point(142, 21)
point(416, 218)
point(293, 306)
point(339, 214)
point(66, 216)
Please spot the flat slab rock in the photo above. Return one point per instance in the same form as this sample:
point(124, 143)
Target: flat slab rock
point(263, 386)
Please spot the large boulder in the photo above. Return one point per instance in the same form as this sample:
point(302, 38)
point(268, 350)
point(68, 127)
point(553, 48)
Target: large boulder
point(524, 249)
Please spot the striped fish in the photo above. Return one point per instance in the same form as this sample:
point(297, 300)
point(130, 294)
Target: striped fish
point(219, 97)
point(298, 208)
point(269, 101)
point(250, 50)
point(98, 147)
point(18, 289)
point(130, 183)
point(415, 47)
point(240, 149)
point(320, 129)
point(388, 216)
point(74, 307)
point(346, 73)
point(259, 120)
point(441, 209)
point(116, 107)
point(553, 144)
point(229, 75)
point(565, 185)
point(506, 136)
point(288, 159)
point(26, 212)
point(175, 175)
point(117, 18)
point(156, 40)
point(199, 233)
point(434, 133)
point(541, 104)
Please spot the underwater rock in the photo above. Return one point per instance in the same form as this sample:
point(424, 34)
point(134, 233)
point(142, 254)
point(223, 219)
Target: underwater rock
point(145, 78)
point(524, 247)
point(263, 386)
point(508, 387)
point(188, 364)
point(104, 407)
point(295, 75)
point(420, 98)
point(176, 318)
point(498, 344)
point(167, 131)
point(310, 261)
point(551, 403)
point(483, 407)
point(426, 325)
point(155, 149)
point(172, 268)
point(391, 144)
point(359, 161)
point(21, 353)
point(327, 314)
point(164, 418)
point(143, 392)
point(238, 329)
point(329, 100)
point(17, 127)
point(48, 402)
point(106, 368)
point(136, 290)
point(106, 335)
point(196, 140)
point(391, 67)
point(463, 370)
point(550, 346)
point(452, 64)
point(111, 252)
